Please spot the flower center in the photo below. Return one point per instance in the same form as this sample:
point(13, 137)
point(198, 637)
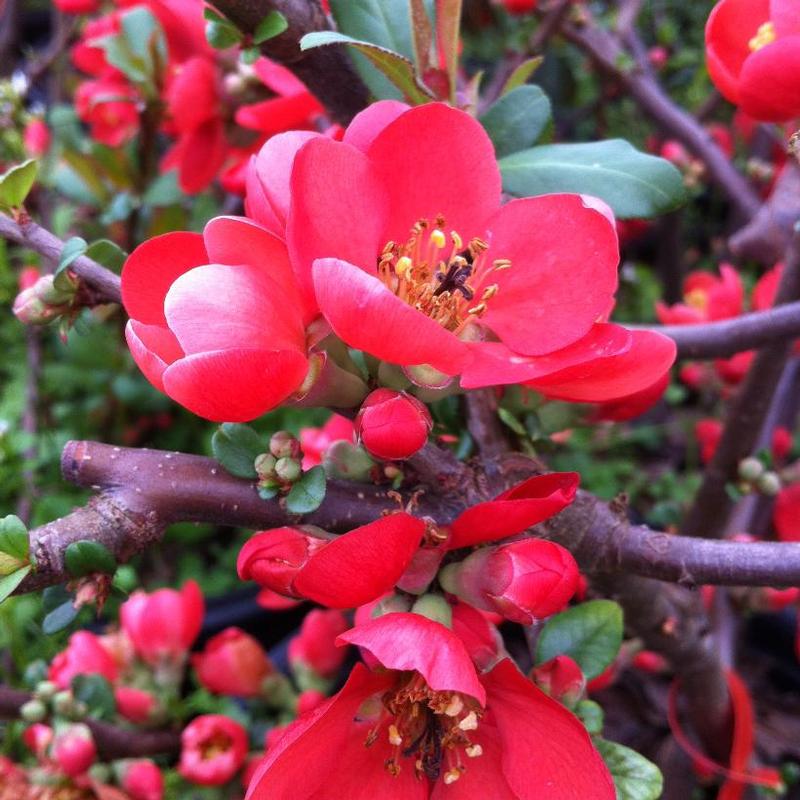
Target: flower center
point(431, 727)
point(764, 36)
point(697, 298)
point(215, 745)
point(440, 277)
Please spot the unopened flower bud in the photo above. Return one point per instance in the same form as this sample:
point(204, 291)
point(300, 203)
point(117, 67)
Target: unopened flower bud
point(265, 465)
point(347, 461)
point(435, 607)
point(74, 750)
point(561, 678)
point(45, 690)
point(46, 299)
point(284, 445)
point(63, 703)
point(288, 469)
point(769, 484)
point(750, 469)
point(33, 711)
point(523, 581)
point(232, 663)
point(392, 425)
point(143, 780)
point(314, 649)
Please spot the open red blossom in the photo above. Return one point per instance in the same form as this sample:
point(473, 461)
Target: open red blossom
point(85, 655)
point(315, 441)
point(109, 107)
point(368, 741)
point(398, 234)
point(314, 648)
point(232, 663)
point(213, 750)
point(753, 54)
point(215, 319)
point(164, 624)
point(342, 572)
point(515, 510)
point(706, 298)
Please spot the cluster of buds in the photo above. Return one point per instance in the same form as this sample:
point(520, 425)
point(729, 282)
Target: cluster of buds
point(49, 700)
point(755, 477)
point(50, 297)
point(282, 465)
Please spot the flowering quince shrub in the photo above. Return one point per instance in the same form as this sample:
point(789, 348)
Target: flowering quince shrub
point(434, 379)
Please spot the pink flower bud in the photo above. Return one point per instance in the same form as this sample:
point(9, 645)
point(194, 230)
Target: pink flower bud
point(213, 749)
point(85, 655)
point(649, 661)
point(43, 301)
point(136, 705)
point(28, 277)
point(36, 137)
point(393, 425)
point(74, 750)
point(37, 738)
point(314, 648)
point(658, 56)
point(232, 663)
point(523, 581)
point(143, 781)
point(561, 678)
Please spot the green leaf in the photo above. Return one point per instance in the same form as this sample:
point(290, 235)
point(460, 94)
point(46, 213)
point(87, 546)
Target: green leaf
point(16, 182)
point(272, 25)
point(85, 557)
point(107, 253)
point(96, 692)
point(635, 778)
point(139, 50)
point(250, 55)
point(590, 633)
point(308, 493)
point(14, 537)
point(59, 618)
point(210, 15)
point(508, 419)
point(591, 715)
point(522, 74)
point(10, 582)
point(222, 35)
point(634, 184)
point(73, 248)
point(517, 119)
point(236, 447)
point(397, 68)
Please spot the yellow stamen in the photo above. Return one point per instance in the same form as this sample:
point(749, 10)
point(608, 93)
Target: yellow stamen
point(438, 239)
point(451, 776)
point(474, 750)
point(764, 36)
point(394, 736)
point(470, 722)
point(697, 298)
point(455, 706)
point(403, 266)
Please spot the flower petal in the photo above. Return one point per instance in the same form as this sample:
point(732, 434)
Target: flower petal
point(153, 348)
point(515, 510)
point(433, 160)
point(546, 752)
point(768, 90)
point(201, 154)
point(366, 315)
point(564, 256)
point(256, 204)
point(152, 268)
point(367, 124)
point(406, 641)
point(362, 564)
point(279, 113)
point(234, 385)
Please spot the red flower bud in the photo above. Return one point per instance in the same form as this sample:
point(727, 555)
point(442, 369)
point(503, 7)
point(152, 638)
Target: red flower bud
point(393, 425)
point(523, 580)
point(74, 750)
point(314, 648)
point(37, 738)
point(561, 678)
point(213, 749)
point(36, 137)
point(143, 781)
point(136, 705)
point(85, 655)
point(309, 700)
point(649, 661)
point(232, 663)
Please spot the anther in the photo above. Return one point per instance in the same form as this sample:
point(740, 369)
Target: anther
point(458, 242)
point(455, 706)
point(469, 723)
point(474, 750)
point(403, 266)
point(501, 263)
point(489, 292)
point(438, 239)
point(394, 736)
point(478, 309)
point(451, 776)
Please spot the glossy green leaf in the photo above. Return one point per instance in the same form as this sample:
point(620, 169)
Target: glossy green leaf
point(272, 25)
point(236, 446)
point(16, 182)
point(222, 35)
point(85, 557)
point(522, 74)
point(59, 618)
point(517, 119)
point(97, 693)
point(73, 248)
point(308, 493)
point(634, 184)
point(9, 583)
point(635, 778)
point(14, 537)
point(107, 253)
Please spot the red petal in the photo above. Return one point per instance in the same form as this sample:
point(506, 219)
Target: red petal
point(564, 256)
point(202, 152)
point(192, 95)
point(363, 564)
point(406, 641)
point(279, 113)
point(338, 207)
point(277, 78)
point(219, 306)
point(650, 356)
point(437, 160)
point(546, 752)
point(785, 15)
point(153, 348)
point(367, 124)
point(363, 312)
point(514, 511)
point(256, 204)
point(152, 268)
point(234, 385)
point(768, 89)
point(786, 516)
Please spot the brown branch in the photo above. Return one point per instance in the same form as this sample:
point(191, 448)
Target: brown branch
point(112, 742)
point(743, 423)
point(326, 71)
point(104, 284)
point(607, 51)
point(730, 336)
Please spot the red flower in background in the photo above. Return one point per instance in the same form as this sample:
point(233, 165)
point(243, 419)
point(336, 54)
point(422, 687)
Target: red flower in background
point(143, 780)
point(213, 750)
point(109, 107)
point(314, 648)
point(753, 55)
point(232, 663)
point(786, 515)
point(705, 298)
point(315, 441)
point(85, 655)
point(77, 6)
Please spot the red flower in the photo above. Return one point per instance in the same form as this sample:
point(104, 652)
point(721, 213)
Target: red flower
point(163, 625)
point(392, 425)
point(519, 6)
point(36, 137)
point(109, 107)
point(74, 750)
point(315, 441)
point(515, 510)
point(705, 298)
point(708, 433)
point(786, 515)
point(314, 648)
point(77, 6)
point(85, 655)
point(497, 737)
point(342, 572)
point(560, 678)
point(232, 663)
point(213, 749)
point(143, 780)
point(88, 56)
point(215, 319)
point(136, 705)
point(753, 54)
point(523, 581)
